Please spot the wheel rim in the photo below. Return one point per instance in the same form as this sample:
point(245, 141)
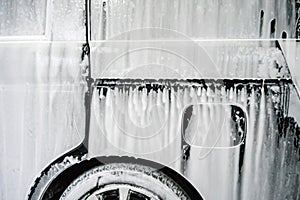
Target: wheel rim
point(121, 192)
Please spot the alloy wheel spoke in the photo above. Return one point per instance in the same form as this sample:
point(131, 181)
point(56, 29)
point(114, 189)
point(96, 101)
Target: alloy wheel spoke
point(124, 193)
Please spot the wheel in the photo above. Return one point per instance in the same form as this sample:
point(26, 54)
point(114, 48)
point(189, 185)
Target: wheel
point(126, 178)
